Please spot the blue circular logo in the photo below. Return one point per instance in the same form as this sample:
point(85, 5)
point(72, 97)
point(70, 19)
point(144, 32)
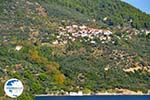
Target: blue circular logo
point(13, 88)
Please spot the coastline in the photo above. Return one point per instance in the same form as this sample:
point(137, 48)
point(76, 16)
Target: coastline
point(80, 93)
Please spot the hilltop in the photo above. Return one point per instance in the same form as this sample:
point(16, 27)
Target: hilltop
point(101, 12)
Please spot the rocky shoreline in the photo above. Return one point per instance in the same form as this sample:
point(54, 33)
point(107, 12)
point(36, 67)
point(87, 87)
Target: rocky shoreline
point(80, 93)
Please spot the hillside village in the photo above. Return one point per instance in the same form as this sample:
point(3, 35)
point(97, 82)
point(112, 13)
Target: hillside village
point(86, 34)
point(75, 32)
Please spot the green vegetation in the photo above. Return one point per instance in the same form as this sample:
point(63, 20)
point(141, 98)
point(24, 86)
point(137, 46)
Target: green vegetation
point(116, 12)
point(45, 68)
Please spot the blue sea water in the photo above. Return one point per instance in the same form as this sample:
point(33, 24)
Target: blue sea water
point(122, 97)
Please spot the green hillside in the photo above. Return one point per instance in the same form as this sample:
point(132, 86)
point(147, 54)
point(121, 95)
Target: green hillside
point(117, 12)
point(82, 11)
point(34, 49)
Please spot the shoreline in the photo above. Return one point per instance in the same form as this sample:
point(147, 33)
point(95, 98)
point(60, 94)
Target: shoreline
point(97, 94)
point(107, 93)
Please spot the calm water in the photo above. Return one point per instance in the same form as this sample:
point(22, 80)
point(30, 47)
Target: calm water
point(93, 98)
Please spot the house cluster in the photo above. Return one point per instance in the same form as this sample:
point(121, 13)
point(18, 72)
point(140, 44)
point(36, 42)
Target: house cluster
point(129, 33)
point(120, 57)
point(137, 68)
point(66, 93)
point(87, 34)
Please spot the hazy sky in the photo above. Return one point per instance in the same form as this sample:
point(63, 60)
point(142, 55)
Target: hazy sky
point(143, 5)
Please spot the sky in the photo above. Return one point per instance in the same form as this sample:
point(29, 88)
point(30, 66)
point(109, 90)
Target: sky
point(143, 5)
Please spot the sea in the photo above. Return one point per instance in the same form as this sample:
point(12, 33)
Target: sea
point(109, 97)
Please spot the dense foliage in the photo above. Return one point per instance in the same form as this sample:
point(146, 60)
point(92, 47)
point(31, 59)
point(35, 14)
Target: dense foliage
point(45, 68)
point(116, 12)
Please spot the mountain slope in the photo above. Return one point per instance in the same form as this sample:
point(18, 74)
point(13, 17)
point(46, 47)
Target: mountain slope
point(117, 12)
point(74, 45)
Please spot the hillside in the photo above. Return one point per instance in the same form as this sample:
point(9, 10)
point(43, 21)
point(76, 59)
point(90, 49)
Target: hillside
point(103, 12)
point(56, 47)
point(116, 12)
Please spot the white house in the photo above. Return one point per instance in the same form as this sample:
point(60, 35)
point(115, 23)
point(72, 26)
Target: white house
point(18, 48)
point(55, 42)
point(93, 42)
point(107, 32)
point(105, 19)
point(76, 93)
point(147, 32)
point(82, 27)
point(75, 26)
